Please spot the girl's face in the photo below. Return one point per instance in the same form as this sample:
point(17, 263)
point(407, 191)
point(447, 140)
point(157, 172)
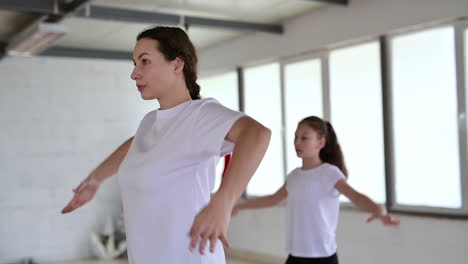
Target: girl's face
point(307, 142)
point(154, 75)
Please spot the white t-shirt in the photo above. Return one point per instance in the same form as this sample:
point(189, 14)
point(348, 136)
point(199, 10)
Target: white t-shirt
point(166, 179)
point(312, 211)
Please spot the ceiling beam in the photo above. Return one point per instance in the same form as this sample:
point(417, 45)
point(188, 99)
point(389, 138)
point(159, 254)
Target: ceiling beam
point(87, 53)
point(336, 2)
point(31, 6)
point(2, 50)
point(67, 10)
point(46, 7)
point(79, 53)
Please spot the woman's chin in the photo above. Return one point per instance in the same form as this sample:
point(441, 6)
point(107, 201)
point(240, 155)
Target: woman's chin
point(146, 97)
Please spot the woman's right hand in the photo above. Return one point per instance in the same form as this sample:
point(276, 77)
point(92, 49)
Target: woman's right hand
point(235, 210)
point(83, 194)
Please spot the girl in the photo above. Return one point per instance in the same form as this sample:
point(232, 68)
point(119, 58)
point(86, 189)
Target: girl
point(313, 195)
point(167, 170)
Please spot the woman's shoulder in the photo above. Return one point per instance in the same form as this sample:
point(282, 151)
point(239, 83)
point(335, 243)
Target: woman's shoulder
point(204, 104)
point(207, 102)
point(149, 115)
point(211, 107)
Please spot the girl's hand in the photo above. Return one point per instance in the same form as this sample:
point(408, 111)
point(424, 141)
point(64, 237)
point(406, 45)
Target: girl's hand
point(83, 194)
point(386, 219)
point(210, 225)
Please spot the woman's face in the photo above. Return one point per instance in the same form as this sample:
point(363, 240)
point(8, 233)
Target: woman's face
point(307, 142)
point(154, 75)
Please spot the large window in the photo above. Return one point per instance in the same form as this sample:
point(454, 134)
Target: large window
point(427, 165)
point(356, 114)
point(302, 98)
point(262, 101)
point(415, 123)
point(224, 88)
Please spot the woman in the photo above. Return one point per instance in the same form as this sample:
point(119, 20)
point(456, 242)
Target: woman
point(167, 170)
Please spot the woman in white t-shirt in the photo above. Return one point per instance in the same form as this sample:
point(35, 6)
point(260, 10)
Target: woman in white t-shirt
point(166, 171)
point(313, 195)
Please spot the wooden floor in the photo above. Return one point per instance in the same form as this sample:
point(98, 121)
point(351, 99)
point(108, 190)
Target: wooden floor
point(229, 261)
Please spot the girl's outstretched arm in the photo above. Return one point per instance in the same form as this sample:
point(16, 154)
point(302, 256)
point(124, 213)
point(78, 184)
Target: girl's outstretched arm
point(262, 202)
point(366, 204)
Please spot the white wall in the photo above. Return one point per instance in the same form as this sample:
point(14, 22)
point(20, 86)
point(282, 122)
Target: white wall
point(419, 239)
point(59, 119)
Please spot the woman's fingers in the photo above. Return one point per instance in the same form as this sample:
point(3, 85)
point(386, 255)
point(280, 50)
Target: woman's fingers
point(204, 240)
point(223, 239)
point(77, 201)
point(72, 205)
point(386, 220)
point(213, 242)
point(80, 187)
point(200, 239)
point(391, 221)
point(194, 236)
point(209, 225)
point(372, 218)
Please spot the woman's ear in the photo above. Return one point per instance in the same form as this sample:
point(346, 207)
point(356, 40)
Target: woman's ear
point(179, 65)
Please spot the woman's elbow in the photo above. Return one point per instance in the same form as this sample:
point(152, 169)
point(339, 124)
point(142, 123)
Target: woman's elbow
point(267, 134)
point(255, 131)
point(263, 133)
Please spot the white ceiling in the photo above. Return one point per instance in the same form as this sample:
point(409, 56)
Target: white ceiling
point(87, 33)
point(261, 11)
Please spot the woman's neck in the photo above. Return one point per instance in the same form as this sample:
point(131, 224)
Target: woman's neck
point(310, 163)
point(176, 97)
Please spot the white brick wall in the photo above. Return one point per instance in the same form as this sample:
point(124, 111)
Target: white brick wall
point(59, 119)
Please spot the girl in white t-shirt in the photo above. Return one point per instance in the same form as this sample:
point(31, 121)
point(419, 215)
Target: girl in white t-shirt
point(166, 171)
point(313, 195)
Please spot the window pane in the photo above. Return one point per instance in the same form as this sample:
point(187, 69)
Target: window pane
point(263, 103)
point(356, 114)
point(425, 119)
point(303, 97)
point(223, 88)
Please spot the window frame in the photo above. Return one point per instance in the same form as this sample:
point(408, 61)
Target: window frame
point(387, 64)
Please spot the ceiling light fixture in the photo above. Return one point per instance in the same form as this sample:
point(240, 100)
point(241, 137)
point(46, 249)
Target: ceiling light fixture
point(35, 38)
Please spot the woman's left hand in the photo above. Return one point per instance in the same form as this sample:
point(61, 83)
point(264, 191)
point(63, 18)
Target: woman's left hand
point(386, 219)
point(210, 225)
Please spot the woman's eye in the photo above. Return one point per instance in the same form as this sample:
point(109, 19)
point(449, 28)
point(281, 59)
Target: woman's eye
point(145, 61)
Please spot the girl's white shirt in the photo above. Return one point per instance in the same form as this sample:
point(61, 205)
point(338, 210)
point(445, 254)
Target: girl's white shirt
point(312, 211)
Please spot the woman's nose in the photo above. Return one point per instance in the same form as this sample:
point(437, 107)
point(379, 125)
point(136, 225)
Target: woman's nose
point(135, 75)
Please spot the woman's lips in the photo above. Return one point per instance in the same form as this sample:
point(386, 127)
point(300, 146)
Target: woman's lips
point(140, 87)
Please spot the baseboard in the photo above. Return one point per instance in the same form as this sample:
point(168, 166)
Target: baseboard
point(254, 257)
